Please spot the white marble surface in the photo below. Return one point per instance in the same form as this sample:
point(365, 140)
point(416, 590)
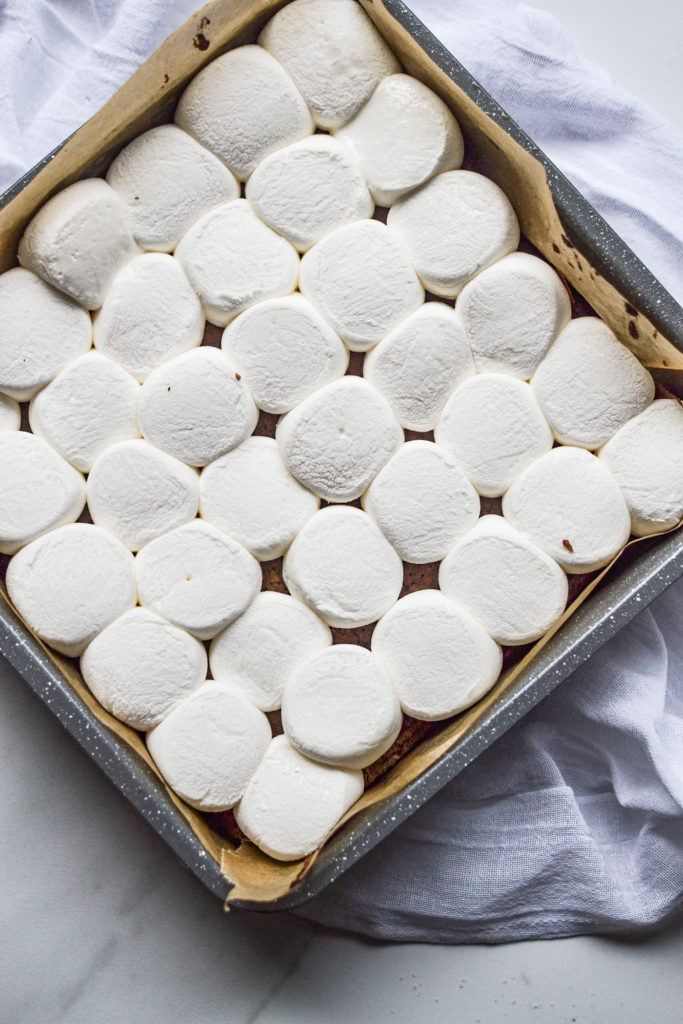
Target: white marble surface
point(101, 924)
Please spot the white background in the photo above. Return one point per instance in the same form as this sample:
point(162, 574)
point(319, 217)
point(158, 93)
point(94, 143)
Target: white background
point(100, 924)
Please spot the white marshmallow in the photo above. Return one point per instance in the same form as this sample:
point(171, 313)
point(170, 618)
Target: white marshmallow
point(242, 106)
point(440, 658)
point(453, 227)
point(334, 54)
point(512, 312)
point(210, 745)
point(197, 577)
point(291, 804)
point(284, 350)
point(646, 458)
point(361, 280)
point(233, 260)
point(196, 407)
point(39, 490)
point(589, 384)
point(71, 583)
point(140, 666)
point(260, 650)
point(251, 495)
point(90, 405)
point(402, 137)
point(569, 504)
point(151, 314)
point(138, 492)
point(10, 414)
point(343, 568)
point(515, 590)
point(422, 502)
point(308, 189)
point(340, 707)
point(339, 438)
point(493, 427)
point(419, 364)
point(41, 331)
point(79, 240)
point(167, 181)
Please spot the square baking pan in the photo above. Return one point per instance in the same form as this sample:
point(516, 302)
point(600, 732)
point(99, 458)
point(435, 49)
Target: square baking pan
point(569, 233)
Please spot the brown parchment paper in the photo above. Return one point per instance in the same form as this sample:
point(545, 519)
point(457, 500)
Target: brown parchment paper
point(149, 98)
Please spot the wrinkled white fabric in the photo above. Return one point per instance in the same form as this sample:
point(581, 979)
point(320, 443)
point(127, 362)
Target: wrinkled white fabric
point(573, 821)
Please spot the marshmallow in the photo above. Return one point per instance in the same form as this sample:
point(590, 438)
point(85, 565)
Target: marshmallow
point(308, 189)
point(339, 438)
point(515, 590)
point(569, 504)
point(260, 650)
point(422, 502)
point(453, 227)
point(140, 666)
point(138, 492)
point(440, 658)
point(150, 315)
point(89, 406)
point(233, 260)
point(340, 707)
point(419, 364)
point(10, 414)
point(402, 137)
point(242, 106)
point(79, 240)
point(41, 331)
point(284, 350)
point(493, 427)
point(210, 745)
point(196, 407)
point(646, 458)
point(167, 181)
point(197, 577)
point(334, 54)
point(71, 583)
point(343, 568)
point(360, 279)
point(589, 384)
point(39, 490)
point(291, 804)
point(512, 312)
point(250, 494)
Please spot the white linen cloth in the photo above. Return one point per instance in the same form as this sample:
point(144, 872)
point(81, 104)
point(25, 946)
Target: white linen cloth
point(573, 821)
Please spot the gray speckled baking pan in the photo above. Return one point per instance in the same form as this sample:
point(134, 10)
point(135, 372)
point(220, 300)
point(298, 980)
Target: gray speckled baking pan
point(635, 301)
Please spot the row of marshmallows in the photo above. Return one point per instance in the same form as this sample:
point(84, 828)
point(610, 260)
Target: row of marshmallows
point(342, 591)
point(196, 408)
